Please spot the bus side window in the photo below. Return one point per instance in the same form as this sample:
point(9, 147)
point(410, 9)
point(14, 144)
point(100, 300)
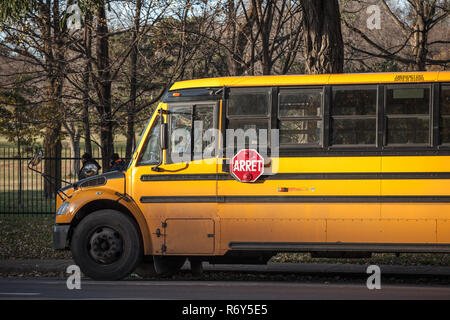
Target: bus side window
point(300, 117)
point(444, 107)
point(187, 132)
point(248, 109)
point(180, 128)
point(408, 115)
point(203, 120)
point(354, 115)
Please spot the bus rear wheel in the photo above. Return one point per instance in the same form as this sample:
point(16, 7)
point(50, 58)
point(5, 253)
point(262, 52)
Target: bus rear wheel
point(168, 265)
point(106, 245)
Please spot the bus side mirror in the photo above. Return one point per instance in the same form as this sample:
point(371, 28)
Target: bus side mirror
point(37, 158)
point(163, 141)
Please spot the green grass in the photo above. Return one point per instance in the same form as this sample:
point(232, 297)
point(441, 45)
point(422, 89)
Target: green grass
point(28, 237)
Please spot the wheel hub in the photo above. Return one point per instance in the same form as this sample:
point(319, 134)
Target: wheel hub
point(106, 245)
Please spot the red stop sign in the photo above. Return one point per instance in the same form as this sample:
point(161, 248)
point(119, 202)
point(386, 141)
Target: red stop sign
point(247, 165)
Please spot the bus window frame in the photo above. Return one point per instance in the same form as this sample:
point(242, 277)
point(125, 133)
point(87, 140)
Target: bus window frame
point(267, 89)
point(380, 149)
point(271, 90)
point(191, 104)
point(277, 118)
point(422, 146)
point(437, 116)
point(375, 117)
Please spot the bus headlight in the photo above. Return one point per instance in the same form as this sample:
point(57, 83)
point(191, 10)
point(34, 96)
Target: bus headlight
point(62, 209)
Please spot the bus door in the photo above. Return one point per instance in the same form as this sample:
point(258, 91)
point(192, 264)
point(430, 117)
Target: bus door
point(178, 197)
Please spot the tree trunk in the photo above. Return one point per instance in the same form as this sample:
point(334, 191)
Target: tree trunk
point(52, 165)
point(133, 82)
point(239, 34)
point(74, 142)
point(264, 18)
point(103, 88)
point(54, 59)
point(322, 37)
point(420, 50)
point(86, 85)
point(75, 151)
point(130, 136)
point(86, 128)
point(19, 155)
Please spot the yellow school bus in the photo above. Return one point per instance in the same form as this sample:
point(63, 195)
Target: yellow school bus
point(356, 164)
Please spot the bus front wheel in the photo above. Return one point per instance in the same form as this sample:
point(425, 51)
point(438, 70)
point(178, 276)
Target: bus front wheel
point(106, 245)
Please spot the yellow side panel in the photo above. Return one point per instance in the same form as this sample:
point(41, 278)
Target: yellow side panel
point(293, 211)
point(443, 231)
point(353, 230)
point(416, 164)
point(157, 213)
point(295, 222)
point(271, 230)
point(408, 231)
point(179, 210)
point(156, 241)
point(409, 187)
point(382, 231)
point(176, 188)
point(444, 76)
point(302, 188)
point(415, 211)
point(328, 164)
point(189, 236)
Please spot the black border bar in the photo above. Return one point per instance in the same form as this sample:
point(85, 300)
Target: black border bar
point(295, 199)
point(305, 176)
point(340, 246)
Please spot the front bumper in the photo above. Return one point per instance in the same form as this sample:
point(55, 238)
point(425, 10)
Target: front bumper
point(60, 233)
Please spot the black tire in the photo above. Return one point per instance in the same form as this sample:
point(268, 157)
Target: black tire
point(168, 265)
point(106, 245)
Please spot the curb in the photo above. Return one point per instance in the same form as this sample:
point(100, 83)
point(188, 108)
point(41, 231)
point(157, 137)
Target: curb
point(35, 265)
point(323, 269)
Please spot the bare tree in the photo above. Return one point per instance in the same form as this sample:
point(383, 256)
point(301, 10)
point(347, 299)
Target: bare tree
point(414, 25)
point(322, 37)
point(37, 36)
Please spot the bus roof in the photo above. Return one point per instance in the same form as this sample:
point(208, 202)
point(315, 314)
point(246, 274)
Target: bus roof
point(321, 79)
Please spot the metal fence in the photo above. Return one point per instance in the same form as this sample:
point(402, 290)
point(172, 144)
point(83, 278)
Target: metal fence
point(22, 190)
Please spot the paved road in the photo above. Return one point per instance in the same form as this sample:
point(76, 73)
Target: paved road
point(210, 290)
